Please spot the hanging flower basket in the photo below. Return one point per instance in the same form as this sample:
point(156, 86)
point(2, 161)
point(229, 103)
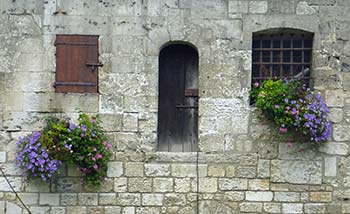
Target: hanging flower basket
point(295, 109)
point(61, 141)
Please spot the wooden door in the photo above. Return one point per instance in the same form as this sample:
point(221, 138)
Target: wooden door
point(178, 99)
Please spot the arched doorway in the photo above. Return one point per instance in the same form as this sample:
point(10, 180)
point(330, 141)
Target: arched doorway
point(178, 99)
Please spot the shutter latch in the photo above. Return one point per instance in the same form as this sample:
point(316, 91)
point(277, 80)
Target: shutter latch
point(93, 65)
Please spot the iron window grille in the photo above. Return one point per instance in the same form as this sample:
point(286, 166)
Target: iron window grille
point(282, 55)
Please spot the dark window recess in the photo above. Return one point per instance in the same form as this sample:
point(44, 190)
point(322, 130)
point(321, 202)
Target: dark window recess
point(282, 53)
point(76, 63)
point(178, 99)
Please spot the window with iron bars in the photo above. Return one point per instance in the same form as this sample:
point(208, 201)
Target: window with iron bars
point(280, 54)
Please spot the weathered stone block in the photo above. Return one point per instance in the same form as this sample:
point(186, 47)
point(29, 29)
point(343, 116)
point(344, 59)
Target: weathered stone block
point(182, 185)
point(287, 196)
point(340, 132)
point(152, 199)
point(77, 209)
point(120, 184)
point(263, 168)
point(315, 208)
point(233, 184)
point(258, 6)
point(334, 148)
point(69, 199)
point(292, 208)
point(88, 199)
point(216, 170)
point(212, 9)
point(113, 210)
point(188, 170)
point(65, 184)
point(250, 207)
point(51, 199)
point(303, 8)
point(129, 199)
point(157, 170)
point(283, 7)
point(321, 2)
point(335, 98)
point(330, 166)
point(139, 184)
point(320, 196)
point(130, 122)
point(111, 122)
point(15, 182)
point(29, 198)
point(134, 169)
point(246, 172)
point(208, 185)
point(173, 199)
point(107, 199)
point(259, 196)
point(115, 169)
point(258, 184)
point(234, 195)
point(12, 208)
point(297, 172)
point(163, 184)
point(238, 6)
point(272, 207)
point(336, 114)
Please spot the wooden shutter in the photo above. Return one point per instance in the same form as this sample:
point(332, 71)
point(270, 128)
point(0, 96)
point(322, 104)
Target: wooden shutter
point(178, 99)
point(76, 63)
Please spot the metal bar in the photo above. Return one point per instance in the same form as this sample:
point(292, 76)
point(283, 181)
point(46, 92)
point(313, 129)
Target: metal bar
point(184, 106)
point(281, 63)
point(95, 64)
point(89, 84)
point(284, 49)
point(191, 92)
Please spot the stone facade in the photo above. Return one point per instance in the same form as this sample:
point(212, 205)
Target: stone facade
point(241, 167)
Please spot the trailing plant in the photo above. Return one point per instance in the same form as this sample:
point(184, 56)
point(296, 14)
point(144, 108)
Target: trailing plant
point(296, 110)
point(61, 141)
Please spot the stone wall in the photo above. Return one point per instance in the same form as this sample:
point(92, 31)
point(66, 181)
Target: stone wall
point(241, 168)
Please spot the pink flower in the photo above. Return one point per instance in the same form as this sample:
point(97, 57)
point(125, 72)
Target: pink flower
point(283, 130)
point(104, 143)
point(109, 146)
point(295, 112)
point(82, 135)
point(93, 121)
point(94, 149)
point(289, 144)
point(95, 166)
point(93, 158)
point(256, 84)
point(98, 156)
point(287, 107)
point(277, 106)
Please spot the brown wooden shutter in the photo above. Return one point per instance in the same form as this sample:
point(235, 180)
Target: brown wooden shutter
point(76, 63)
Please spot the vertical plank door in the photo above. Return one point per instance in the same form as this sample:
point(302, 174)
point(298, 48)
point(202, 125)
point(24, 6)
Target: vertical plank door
point(178, 99)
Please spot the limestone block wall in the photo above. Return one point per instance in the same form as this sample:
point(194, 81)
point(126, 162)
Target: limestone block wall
point(240, 168)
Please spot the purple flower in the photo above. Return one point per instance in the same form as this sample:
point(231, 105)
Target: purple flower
point(83, 128)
